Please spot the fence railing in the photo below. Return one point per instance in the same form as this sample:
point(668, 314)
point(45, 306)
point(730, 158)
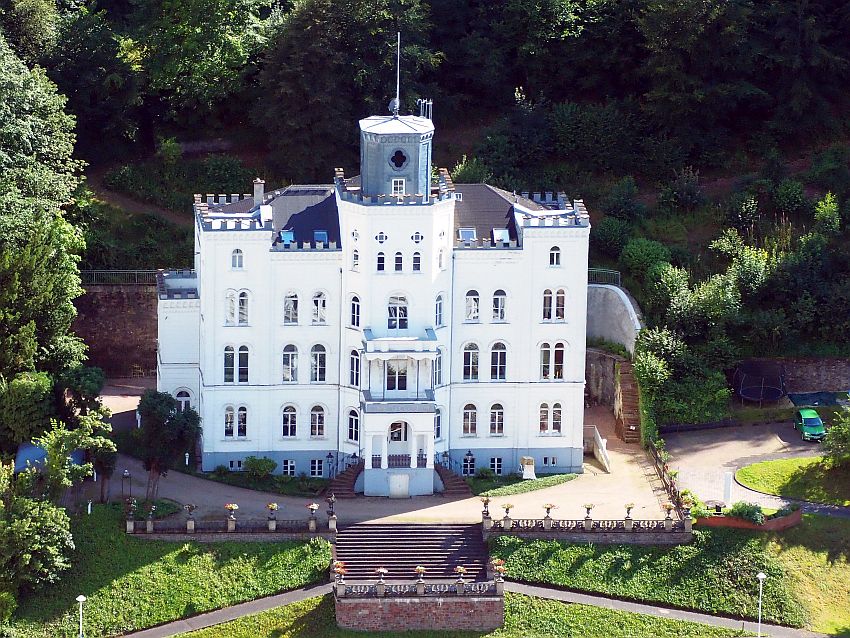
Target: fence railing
point(603, 276)
point(118, 277)
point(669, 482)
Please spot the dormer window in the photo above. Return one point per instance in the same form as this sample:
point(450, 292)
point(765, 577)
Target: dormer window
point(320, 236)
point(501, 236)
point(466, 235)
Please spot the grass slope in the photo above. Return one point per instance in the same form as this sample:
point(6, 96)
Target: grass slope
point(807, 478)
point(524, 618)
point(513, 484)
point(716, 573)
point(133, 583)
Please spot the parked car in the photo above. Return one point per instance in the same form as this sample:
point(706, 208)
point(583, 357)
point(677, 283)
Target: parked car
point(810, 425)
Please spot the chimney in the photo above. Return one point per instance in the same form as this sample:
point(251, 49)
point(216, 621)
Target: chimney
point(259, 191)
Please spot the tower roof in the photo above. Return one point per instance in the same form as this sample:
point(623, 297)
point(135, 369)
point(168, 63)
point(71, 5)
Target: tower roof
point(401, 125)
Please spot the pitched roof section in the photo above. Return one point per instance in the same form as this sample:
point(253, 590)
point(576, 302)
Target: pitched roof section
point(402, 125)
point(484, 207)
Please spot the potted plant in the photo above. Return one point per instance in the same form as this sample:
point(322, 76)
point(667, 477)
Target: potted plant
point(506, 521)
point(231, 519)
point(668, 519)
point(629, 523)
point(190, 520)
point(460, 570)
point(492, 565)
point(272, 522)
point(149, 522)
point(311, 523)
point(340, 571)
point(588, 522)
point(485, 500)
point(380, 586)
point(420, 581)
point(131, 515)
point(547, 520)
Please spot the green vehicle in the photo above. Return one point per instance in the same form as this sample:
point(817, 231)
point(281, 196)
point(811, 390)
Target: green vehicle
point(809, 423)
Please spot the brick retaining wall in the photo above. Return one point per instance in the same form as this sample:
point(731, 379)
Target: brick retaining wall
point(468, 613)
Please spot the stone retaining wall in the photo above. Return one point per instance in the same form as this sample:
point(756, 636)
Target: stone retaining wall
point(600, 374)
point(612, 315)
point(817, 375)
point(467, 613)
point(222, 537)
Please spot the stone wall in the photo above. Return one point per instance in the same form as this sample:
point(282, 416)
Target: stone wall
point(460, 613)
point(612, 315)
point(118, 323)
point(817, 375)
point(600, 375)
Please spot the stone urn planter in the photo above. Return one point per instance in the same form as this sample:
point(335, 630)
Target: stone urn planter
point(668, 519)
point(231, 518)
point(507, 523)
point(420, 580)
point(547, 520)
point(628, 521)
point(149, 522)
point(588, 521)
point(311, 522)
point(272, 521)
point(190, 520)
point(381, 586)
point(460, 570)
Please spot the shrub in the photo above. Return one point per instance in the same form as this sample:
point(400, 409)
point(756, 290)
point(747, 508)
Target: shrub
point(742, 213)
point(640, 253)
point(221, 470)
point(621, 200)
point(789, 198)
point(836, 443)
point(698, 398)
point(8, 604)
point(664, 344)
point(748, 511)
point(827, 215)
point(259, 467)
point(684, 193)
point(831, 169)
point(471, 171)
point(484, 473)
point(610, 236)
point(651, 371)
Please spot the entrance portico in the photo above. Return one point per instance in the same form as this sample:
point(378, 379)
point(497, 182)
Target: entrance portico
point(399, 454)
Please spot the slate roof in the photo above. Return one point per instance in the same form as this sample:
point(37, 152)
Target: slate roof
point(485, 207)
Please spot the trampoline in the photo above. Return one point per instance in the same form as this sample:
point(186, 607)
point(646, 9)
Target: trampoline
point(759, 381)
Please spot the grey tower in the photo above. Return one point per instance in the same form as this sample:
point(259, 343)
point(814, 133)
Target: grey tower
point(395, 155)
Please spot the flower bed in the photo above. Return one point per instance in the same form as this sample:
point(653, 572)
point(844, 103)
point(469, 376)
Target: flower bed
point(771, 525)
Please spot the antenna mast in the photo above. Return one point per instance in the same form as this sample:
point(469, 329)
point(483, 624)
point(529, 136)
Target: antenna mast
point(397, 74)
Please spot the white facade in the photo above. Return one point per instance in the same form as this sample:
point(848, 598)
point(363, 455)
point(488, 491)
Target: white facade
point(413, 338)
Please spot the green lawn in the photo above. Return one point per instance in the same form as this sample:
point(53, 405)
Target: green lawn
point(716, 573)
point(132, 583)
point(807, 478)
point(524, 618)
point(509, 484)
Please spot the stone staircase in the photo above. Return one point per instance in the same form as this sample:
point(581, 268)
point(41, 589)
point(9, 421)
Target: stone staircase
point(342, 485)
point(454, 485)
point(627, 405)
point(399, 548)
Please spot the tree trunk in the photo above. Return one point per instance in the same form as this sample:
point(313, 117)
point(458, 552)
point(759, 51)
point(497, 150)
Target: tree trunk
point(153, 477)
point(103, 482)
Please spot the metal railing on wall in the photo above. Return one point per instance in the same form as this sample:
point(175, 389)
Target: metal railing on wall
point(118, 277)
point(603, 276)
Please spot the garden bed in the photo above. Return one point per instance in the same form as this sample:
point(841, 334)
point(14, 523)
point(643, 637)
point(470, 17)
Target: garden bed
point(507, 485)
point(777, 524)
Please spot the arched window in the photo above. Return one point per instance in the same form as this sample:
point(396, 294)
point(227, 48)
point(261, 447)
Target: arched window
point(470, 362)
point(438, 368)
point(547, 305)
point(560, 303)
point(556, 417)
point(545, 361)
point(559, 361)
point(237, 259)
point(498, 362)
point(438, 311)
point(290, 308)
point(320, 308)
point(497, 419)
point(318, 364)
point(470, 419)
point(472, 305)
point(397, 313)
point(317, 421)
point(355, 311)
point(354, 368)
point(399, 262)
point(242, 421)
point(230, 308)
point(229, 364)
point(290, 419)
point(353, 426)
point(184, 401)
point(243, 364)
point(554, 256)
point(417, 262)
point(380, 262)
point(290, 364)
point(243, 308)
point(438, 424)
point(544, 417)
point(229, 419)
point(355, 260)
point(499, 300)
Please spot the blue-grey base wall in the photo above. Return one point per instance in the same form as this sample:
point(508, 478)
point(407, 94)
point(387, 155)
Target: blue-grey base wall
point(567, 460)
point(302, 458)
point(377, 482)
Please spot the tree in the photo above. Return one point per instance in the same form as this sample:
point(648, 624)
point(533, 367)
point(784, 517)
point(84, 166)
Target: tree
point(836, 443)
point(827, 216)
point(26, 407)
point(332, 62)
point(166, 434)
point(85, 384)
point(30, 26)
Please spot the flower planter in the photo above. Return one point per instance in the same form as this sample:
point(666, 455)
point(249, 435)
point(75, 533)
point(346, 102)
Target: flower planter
point(772, 525)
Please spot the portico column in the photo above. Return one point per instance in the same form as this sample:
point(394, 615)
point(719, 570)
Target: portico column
point(385, 459)
point(367, 451)
point(411, 446)
point(429, 452)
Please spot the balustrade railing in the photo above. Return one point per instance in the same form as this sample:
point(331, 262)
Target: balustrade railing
point(520, 525)
point(398, 460)
point(426, 589)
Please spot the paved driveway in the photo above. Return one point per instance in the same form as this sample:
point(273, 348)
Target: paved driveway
point(705, 456)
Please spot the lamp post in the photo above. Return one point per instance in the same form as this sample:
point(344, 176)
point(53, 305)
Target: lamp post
point(761, 576)
point(330, 458)
point(445, 459)
point(81, 599)
point(469, 458)
point(125, 478)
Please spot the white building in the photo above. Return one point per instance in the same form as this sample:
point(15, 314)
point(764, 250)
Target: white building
point(389, 316)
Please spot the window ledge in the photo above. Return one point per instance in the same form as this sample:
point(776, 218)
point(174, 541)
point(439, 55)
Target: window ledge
point(472, 321)
point(500, 321)
point(469, 436)
point(318, 438)
point(497, 436)
point(235, 439)
point(550, 434)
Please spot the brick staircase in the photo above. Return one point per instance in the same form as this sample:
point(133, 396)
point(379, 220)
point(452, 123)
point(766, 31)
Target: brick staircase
point(401, 547)
point(454, 485)
point(628, 420)
point(342, 485)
